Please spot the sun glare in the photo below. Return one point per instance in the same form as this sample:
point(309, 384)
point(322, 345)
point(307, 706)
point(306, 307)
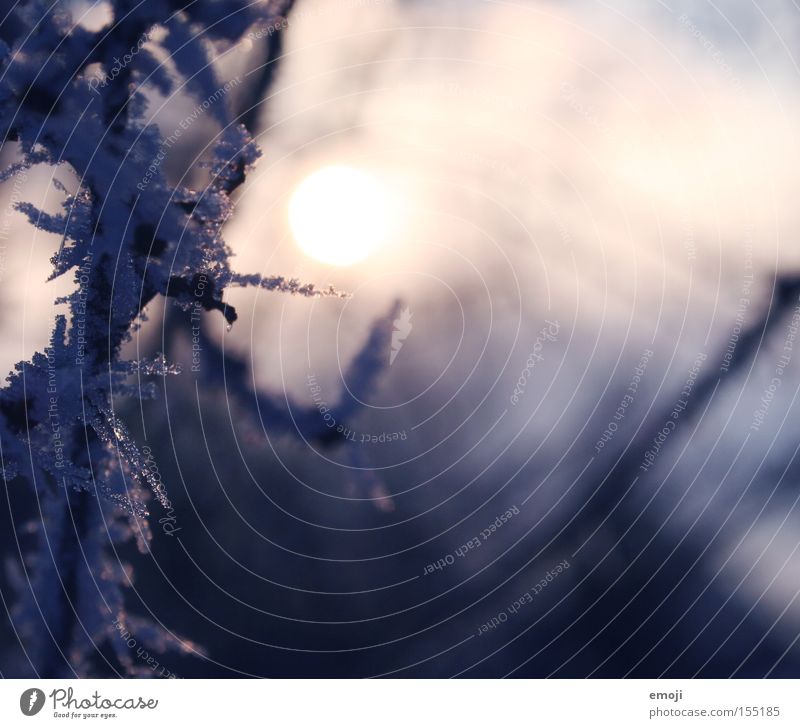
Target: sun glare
point(339, 215)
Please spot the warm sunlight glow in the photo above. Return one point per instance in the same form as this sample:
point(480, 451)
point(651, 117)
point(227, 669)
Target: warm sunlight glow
point(339, 215)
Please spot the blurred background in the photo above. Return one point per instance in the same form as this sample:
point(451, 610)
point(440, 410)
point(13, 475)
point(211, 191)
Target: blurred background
point(576, 460)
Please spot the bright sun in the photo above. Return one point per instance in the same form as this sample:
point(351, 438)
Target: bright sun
point(339, 215)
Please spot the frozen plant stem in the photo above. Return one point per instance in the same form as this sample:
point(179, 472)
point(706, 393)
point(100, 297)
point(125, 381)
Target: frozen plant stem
point(125, 244)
